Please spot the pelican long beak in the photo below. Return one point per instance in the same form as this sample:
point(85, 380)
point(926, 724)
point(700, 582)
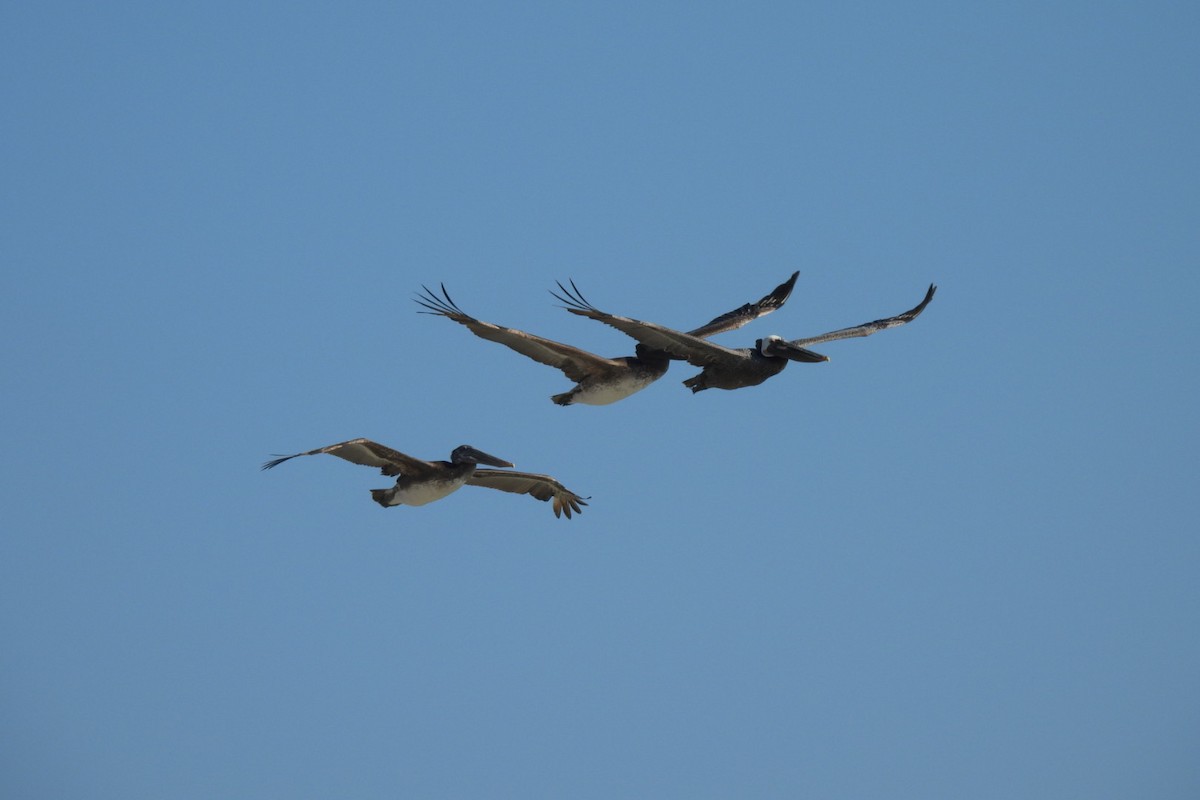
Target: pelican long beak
point(785, 349)
point(485, 458)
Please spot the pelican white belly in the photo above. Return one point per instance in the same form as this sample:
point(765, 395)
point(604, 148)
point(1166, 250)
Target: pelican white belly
point(418, 494)
point(601, 394)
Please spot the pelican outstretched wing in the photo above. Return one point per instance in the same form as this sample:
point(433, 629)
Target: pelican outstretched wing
point(867, 328)
point(369, 454)
point(543, 487)
point(695, 350)
point(748, 313)
point(576, 364)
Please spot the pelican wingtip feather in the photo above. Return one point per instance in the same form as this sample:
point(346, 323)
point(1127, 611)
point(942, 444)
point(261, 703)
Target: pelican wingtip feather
point(568, 504)
point(443, 306)
point(572, 298)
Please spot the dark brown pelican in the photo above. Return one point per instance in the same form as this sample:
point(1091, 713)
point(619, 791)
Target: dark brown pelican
point(419, 482)
point(599, 381)
point(726, 368)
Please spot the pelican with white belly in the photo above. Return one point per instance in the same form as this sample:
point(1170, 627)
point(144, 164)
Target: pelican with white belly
point(420, 482)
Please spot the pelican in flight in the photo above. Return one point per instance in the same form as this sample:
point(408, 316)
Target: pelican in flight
point(724, 367)
point(419, 482)
point(600, 381)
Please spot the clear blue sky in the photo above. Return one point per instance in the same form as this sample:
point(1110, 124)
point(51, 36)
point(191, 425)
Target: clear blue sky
point(954, 562)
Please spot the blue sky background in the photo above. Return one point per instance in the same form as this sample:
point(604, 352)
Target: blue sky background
point(956, 561)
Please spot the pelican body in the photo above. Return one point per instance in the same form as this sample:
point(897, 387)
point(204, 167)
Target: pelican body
point(420, 482)
point(599, 380)
point(724, 367)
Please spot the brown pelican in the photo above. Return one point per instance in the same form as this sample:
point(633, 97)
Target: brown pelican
point(726, 368)
point(419, 482)
point(600, 381)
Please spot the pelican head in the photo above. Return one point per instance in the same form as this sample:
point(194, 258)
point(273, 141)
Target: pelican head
point(465, 454)
point(777, 347)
